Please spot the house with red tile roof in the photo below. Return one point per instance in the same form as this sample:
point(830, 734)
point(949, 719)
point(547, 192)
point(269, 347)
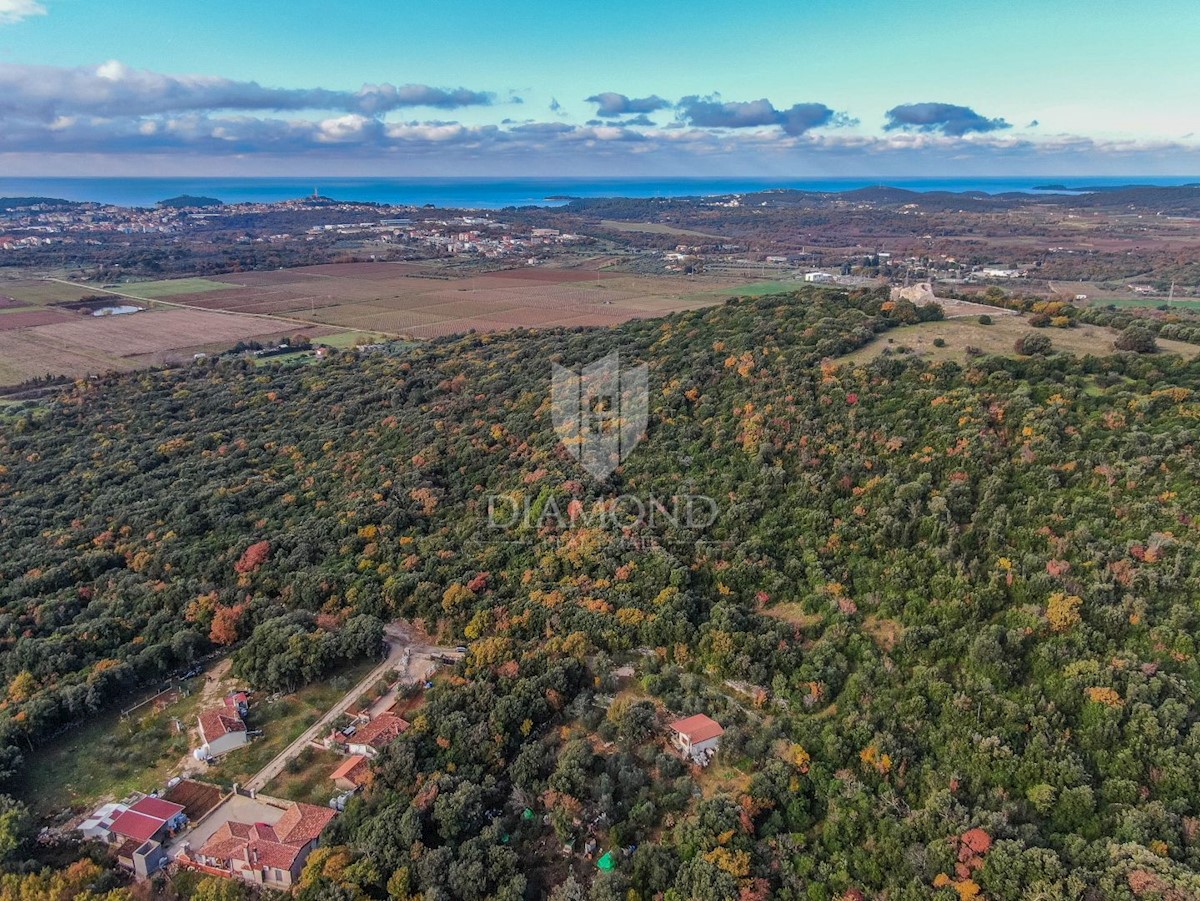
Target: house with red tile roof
point(139, 832)
point(148, 819)
point(697, 737)
point(352, 773)
point(267, 854)
point(371, 738)
point(221, 730)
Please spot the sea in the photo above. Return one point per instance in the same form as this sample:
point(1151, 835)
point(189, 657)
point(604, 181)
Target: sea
point(497, 193)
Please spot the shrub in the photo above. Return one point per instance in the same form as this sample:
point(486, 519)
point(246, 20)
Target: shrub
point(1031, 345)
point(985, 319)
point(1138, 339)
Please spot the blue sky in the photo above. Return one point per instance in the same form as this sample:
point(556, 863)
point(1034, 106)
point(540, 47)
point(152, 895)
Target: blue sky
point(806, 87)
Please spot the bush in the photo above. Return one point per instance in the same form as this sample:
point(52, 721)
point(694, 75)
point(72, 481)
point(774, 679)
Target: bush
point(1138, 339)
point(985, 319)
point(939, 342)
point(1031, 345)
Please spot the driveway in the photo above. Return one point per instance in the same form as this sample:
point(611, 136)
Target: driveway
point(411, 661)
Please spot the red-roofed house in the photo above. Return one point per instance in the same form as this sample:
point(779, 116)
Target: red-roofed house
point(221, 730)
point(352, 773)
point(270, 855)
point(370, 739)
point(697, 736)
point(140, 831)
point(149, 818)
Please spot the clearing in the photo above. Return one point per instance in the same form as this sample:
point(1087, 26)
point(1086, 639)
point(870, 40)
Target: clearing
point(997, 338)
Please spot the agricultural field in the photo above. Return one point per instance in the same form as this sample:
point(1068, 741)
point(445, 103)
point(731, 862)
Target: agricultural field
point(81, 345)
point(44, 330)
point(404, 300)
point(997, 338)
point(47, 328)
point(173, 286)
point(655, 228)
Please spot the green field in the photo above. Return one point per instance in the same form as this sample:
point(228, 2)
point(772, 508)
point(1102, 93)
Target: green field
point(997, 338)
point(110, 757)
point(345, 340)
point(749, 289)
point(106, 758)
point(169, 287)
point(38, 292)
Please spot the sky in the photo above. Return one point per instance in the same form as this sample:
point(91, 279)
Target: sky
point(803, 88)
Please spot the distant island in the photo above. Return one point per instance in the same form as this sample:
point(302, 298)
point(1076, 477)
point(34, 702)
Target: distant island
point(1092, 189)
point(187, 201)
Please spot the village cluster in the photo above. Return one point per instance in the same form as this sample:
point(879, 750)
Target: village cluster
point(43, 225)
point(263, 840)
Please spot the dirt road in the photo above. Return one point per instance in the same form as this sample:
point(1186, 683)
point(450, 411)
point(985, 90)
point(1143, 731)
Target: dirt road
point(411, 660)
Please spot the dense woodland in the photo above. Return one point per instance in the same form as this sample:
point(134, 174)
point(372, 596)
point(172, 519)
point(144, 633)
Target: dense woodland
point(960, 604)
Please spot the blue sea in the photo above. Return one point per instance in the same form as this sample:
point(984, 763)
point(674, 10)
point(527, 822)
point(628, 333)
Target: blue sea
point(496, 193)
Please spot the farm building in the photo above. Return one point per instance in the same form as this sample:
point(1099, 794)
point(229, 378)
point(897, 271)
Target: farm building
point(818, 278)
point(267, 854)
point(352, 772)
point(221, 730)
point(697, 737)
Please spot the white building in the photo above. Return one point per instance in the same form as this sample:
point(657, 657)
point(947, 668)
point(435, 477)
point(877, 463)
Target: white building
point(221, 730)
point(697, 737)
point(818, 278)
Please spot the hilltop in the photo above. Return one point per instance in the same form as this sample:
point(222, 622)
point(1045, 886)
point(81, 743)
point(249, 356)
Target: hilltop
point(942, 611)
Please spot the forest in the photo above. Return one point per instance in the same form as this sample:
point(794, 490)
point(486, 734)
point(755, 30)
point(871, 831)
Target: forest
point(959, 601)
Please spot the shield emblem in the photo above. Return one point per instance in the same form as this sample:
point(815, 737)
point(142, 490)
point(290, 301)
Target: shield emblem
point(600, 412)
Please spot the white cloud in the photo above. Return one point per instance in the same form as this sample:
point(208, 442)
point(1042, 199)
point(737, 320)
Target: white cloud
point(15, 10)
point(114, 89)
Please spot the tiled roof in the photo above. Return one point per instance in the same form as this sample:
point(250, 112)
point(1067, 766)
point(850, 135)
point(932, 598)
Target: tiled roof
point(698, 728)
point(264, 845)
point(353, 768)
point(381, 730)
point(157, 807)
point(301, 823)
point(140, 826)
point(218, 722)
